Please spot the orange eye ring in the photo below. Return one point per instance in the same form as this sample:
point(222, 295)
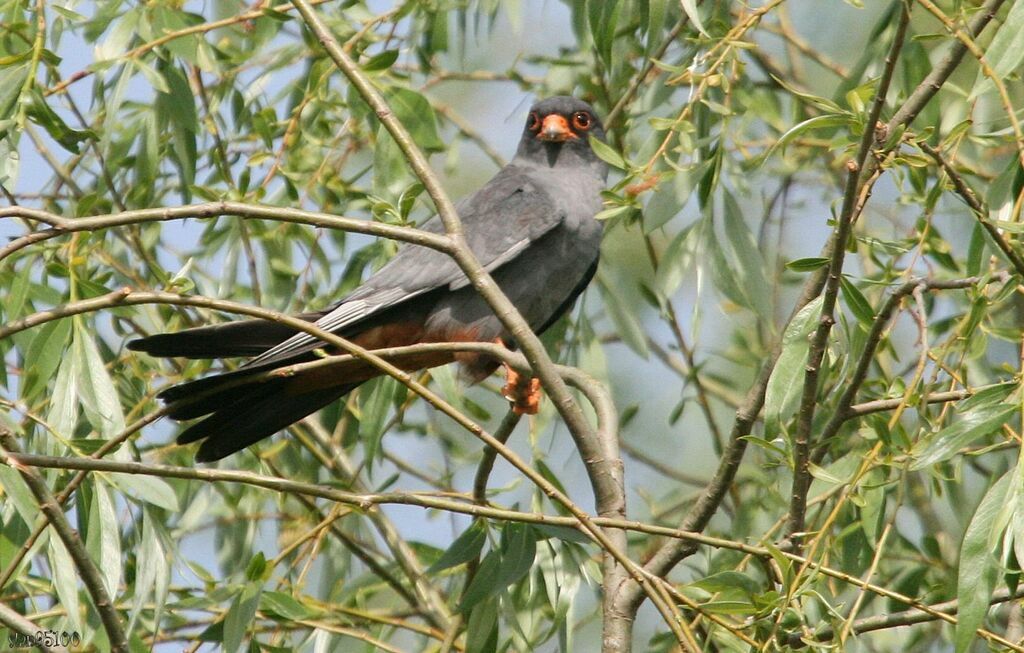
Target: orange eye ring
point(533, 121)
point(581, 120)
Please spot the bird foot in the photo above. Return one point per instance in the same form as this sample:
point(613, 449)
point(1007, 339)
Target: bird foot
point(522, 391)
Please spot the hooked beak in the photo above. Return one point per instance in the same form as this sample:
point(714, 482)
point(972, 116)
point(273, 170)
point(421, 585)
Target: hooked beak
point(555, 129)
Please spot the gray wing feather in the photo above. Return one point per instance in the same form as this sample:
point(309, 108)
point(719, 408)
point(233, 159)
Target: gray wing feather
point(499, 221)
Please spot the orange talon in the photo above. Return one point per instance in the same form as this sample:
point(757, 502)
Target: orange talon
point(522, 391)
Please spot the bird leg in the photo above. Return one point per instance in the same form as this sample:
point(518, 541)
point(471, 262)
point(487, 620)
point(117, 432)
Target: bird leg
point(523, 391)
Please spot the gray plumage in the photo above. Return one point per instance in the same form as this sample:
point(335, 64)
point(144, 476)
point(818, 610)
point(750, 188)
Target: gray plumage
point(532, 227)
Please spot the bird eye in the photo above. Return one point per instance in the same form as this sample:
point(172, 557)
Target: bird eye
point(533, 122)
point(581, 120)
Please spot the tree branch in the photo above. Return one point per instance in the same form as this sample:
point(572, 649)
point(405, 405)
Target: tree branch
point(87, 570)
point(604, 471)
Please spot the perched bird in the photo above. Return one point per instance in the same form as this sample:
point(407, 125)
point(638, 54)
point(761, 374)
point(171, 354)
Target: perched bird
point(532, 227)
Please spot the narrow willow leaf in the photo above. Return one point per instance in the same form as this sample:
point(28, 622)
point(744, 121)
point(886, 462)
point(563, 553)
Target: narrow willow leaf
point(749, 264)
point(971, 426)
point(285, 606)
point(62, 415)
point(12, 82)
point(416, 114)
point(675, 261)
point(465, 548)
point(1006, 52)
point(14, 488)
point(44, 355)
point(807, 264)
point(485, 583)
point(98, 396)
point(827, 121)
point(859, 305)
point(607, 153)
point(787, 378)
point(65, 581)
point(722, 273)
point(690, 7)
point(482, 627)
point(177, 106)
point(104, 538)
point(374, 416)
point(240, 616)
point(656, 10)
point(149, 489)
point(976, 575)
point(152, 567)
point(518, 550)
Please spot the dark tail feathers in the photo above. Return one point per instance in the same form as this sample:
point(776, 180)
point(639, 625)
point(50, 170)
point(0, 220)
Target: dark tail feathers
point(242, 338)
point(257, 412)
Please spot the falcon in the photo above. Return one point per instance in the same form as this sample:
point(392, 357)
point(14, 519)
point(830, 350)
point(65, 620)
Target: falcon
point(532, 228)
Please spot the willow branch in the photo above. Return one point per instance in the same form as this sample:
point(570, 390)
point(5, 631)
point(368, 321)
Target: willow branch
point(60, 226)
point(604, 468)
point(87, 570)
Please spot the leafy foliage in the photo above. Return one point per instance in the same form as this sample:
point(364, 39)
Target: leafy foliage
point(731, 133)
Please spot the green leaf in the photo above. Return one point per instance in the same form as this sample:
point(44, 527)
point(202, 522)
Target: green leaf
point(976, 575)
point(15, 489)
point(98, 396)
point(690, 7)
point(45, 352)
point(381, 61)
point(725, 581)
point(485, 583)
point(749, 267)
point(1005, 53)
point(614, 212)
point(720, 267)
point(41, 114)
point(856, 301)
point(807, 264)
point(12, 81)
point(285, 606)
point(607, 154)
point(675, 261)
point(603, 17)
point(240, 616)
point(177, 107)
point(990, 396)
point(153, 571)
point(373, 416)
point(149, 489)
point(656, 11)
point(669, 198)
point(518, 550)
point(787, 378)
point(827, 121)
point(62, 415)
point(65, 580)
point(971, 426)
point(466, 547)
point(482, 627)
point(417, 116)
point(563, 533)
point(103, 541)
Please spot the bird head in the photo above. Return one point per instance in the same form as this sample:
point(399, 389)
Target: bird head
point(557, 131)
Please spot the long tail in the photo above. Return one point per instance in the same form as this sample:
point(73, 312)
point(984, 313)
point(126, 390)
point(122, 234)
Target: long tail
point(242, 338)
point(258, 411)
point(239, 411)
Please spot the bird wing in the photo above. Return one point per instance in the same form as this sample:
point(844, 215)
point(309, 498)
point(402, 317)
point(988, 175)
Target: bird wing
point(500, 221)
